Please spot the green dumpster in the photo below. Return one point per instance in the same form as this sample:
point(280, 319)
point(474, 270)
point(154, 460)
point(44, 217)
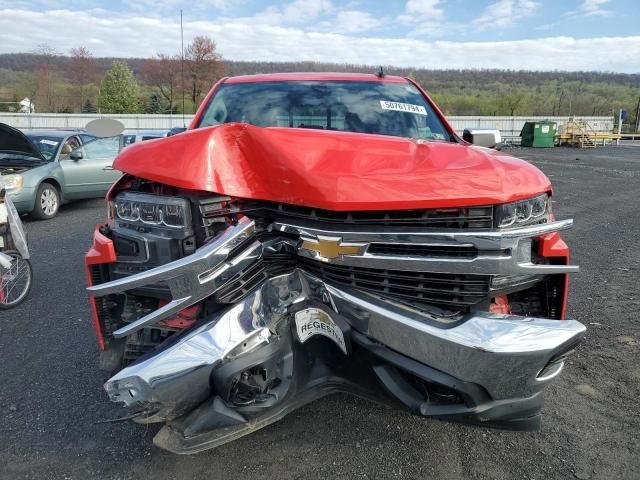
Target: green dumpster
point(538, 134)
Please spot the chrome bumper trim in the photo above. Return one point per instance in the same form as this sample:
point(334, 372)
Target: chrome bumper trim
point(197, 276)
point(501, 353)
point(500, 252)
point(190, 279)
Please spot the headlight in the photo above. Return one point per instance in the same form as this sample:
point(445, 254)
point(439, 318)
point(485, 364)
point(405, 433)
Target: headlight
point(525, 212)
point(13, 182)
point(151, 210)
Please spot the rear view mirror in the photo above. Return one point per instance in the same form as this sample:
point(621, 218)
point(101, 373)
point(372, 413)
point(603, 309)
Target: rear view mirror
point(75, 155)
point(483, 137)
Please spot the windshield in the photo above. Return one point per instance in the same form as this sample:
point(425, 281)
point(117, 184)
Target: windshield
point(48, 146)
point(384, 108)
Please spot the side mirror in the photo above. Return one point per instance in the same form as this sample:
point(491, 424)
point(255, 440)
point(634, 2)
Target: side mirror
point(483, 137)
point(176, 131)
point(75, 155)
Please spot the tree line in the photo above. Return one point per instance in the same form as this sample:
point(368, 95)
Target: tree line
point(79, 82)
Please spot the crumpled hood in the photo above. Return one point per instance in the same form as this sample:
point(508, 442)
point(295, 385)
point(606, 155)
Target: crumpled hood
point(332, 170)
point(14, 141)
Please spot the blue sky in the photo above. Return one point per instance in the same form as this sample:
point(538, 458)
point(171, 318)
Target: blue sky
point(531, 34)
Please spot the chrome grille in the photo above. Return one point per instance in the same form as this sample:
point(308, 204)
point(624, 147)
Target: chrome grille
point(460, 291)
point(433, 251)
point(445, 290)
point(453, 291)
point(249, 278)
point(449, 218)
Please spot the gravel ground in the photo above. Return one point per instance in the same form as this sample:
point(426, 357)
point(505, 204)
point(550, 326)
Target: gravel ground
point(51, 389)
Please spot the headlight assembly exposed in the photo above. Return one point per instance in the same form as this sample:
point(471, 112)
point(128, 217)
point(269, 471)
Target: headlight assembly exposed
point(13, 182)
point(151, 210)
point(525, 212)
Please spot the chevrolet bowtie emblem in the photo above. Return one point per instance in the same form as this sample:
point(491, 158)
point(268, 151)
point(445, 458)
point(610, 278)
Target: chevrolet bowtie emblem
point(331, 247)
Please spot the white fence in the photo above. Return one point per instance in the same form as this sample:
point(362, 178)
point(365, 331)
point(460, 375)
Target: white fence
point(79, 120)
point(509, 126)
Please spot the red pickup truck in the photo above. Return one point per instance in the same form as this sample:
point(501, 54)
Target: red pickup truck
point(319, 233)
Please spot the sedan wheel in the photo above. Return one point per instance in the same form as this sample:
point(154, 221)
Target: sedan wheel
point(47, 202)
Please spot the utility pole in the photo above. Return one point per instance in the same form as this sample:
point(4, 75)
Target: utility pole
point(638, 116)
point(184, 123)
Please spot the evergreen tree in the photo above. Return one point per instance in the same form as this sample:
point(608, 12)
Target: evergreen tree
point(89, 107)
point(119, 90)
point(154, 104)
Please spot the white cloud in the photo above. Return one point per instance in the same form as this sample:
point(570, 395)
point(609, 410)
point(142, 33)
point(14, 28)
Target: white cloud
point(296, 12)
point(149, 7)
point(426, 17)
point(302, 11)
point(590, 8)
point(352, 21)
point(505, 13)
point(416, 11)
point(134, 36)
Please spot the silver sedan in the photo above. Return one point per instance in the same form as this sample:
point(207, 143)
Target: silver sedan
point(43, 169)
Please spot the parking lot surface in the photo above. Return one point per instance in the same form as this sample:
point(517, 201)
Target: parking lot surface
point(51, 395)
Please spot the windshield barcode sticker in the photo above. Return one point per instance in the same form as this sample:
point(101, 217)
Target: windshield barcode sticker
point(403, 107)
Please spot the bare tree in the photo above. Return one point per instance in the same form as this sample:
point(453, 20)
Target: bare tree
point(163, 72)
point(204, 66)
point(82, 70)
point(45, 74)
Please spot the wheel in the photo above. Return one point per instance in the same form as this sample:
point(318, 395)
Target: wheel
point(47, 202)
point(15, 281)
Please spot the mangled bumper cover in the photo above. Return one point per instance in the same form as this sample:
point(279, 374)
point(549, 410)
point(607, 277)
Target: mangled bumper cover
point(297, 338)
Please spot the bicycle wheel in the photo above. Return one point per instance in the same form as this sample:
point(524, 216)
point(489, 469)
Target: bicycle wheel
point(15, 281)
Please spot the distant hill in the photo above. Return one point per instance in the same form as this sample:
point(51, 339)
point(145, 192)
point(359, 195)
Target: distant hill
point(29, 62)
point(457, 92)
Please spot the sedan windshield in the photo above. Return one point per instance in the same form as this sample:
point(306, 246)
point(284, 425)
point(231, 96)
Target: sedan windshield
point(48, 146)
point(383, 108)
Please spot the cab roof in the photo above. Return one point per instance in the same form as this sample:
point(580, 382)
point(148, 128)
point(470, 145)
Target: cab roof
point(315, 76)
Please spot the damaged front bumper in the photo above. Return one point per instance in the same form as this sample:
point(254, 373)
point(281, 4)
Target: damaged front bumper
point(297, 338)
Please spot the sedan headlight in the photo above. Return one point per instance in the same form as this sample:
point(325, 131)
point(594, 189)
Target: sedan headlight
point(13, 182)
point(525, 212)
point(151, 210)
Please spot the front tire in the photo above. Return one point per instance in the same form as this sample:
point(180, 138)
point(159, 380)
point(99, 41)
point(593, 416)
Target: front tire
point(47, 202)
